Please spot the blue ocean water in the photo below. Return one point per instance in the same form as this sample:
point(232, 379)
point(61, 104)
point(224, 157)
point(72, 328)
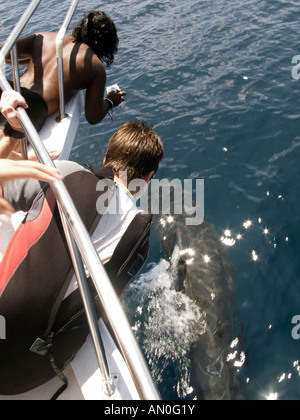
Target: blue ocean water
point(214, 78)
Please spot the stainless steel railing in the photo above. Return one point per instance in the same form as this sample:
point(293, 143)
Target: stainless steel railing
point(131, 351)
point(75, 255)
point(59, 56)
point(74, 252)
point(17, 87)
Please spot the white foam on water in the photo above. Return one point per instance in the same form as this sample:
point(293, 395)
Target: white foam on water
point(166, 323)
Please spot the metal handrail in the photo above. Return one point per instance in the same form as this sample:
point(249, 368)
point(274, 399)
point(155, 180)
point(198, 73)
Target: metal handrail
point(75, 255)
point(127, 342)
point(74, 252)
point(89, 309)
point(59, 56)
point(17, 87)
point(10, 46)
point(14, 35)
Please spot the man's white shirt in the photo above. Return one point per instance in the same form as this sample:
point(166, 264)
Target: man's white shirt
point(115, 221)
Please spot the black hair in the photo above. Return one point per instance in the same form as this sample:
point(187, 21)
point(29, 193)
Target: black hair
point(99, 32)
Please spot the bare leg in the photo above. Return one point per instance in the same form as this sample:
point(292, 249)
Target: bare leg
point(10, 149)
point(54, 154)
point(7, 146)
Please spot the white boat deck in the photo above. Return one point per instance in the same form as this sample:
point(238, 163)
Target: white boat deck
point(85, 380)
point(60, 135)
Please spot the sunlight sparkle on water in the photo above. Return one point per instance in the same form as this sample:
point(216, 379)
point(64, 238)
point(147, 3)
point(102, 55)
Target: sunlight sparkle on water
point(227, 239)
point(273, 396)
point(247, 224)
point(206, 259)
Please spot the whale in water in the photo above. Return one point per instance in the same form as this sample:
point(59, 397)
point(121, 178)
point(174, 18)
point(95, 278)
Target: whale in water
point(204, 274)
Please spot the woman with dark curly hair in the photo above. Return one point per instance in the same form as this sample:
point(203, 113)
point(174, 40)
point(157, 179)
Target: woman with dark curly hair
point(93, 45)
point(98, 31)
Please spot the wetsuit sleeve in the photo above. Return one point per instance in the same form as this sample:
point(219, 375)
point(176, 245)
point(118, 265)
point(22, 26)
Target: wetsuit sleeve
point(21, 193)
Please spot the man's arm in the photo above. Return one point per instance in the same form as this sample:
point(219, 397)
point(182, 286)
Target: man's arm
point(96, 108)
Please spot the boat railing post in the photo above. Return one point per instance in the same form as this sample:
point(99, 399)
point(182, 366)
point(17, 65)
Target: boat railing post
point(75, 255)
point(59, 57)
point(89, 308)
point(10, 46)
point(17, 87)
point(15, 67)
point(14, 35)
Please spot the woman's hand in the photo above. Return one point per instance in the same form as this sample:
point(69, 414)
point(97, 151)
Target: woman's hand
point(10, 101)
point(10, 169)
point(5, 207)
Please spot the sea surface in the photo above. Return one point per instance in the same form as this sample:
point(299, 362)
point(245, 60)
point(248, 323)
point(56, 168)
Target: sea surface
point(215, 79)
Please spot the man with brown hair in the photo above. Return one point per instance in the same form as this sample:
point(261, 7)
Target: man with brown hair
point(135, 150)
point(93, 45)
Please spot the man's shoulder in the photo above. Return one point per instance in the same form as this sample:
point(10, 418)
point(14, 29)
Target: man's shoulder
point(87, 56)
point(46, 35)
point(67, 167)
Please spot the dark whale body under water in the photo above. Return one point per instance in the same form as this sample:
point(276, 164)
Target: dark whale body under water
point(204, 274)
